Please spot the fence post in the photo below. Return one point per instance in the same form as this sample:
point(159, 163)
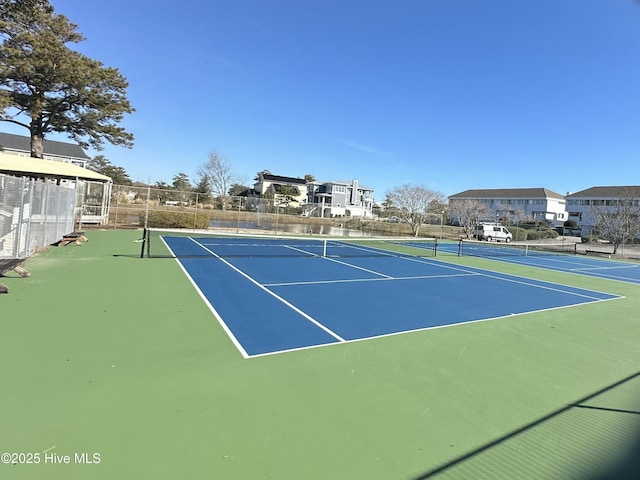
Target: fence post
point(146, 212)
point(117, 196)
point(195, 213)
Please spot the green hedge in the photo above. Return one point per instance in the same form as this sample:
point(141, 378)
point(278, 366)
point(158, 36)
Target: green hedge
point(519, 233)
point(164, 219)
point(589, 239)
point(541, 234)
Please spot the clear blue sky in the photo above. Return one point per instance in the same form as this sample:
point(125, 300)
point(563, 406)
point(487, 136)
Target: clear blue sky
point(450, 94)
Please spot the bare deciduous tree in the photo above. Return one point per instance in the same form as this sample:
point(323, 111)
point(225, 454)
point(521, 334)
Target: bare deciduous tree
point(220, 176)
point(468, 212)
point(616, 220)
point(517, 216)
point(415, 203)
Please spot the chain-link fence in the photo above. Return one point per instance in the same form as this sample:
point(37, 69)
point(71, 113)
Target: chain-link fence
point(140, 206)
point(33, 214)
point(136, 206)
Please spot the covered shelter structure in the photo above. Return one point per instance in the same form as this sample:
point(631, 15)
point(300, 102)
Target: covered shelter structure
point(40, 203)
point(92, 189)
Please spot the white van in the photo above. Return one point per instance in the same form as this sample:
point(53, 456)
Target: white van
point(493, 231)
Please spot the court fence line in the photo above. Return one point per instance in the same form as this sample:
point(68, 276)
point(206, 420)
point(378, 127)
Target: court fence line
point(33, 215)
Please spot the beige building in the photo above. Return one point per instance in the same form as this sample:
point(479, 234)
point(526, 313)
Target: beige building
point(271, 185)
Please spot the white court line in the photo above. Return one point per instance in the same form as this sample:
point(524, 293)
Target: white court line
point(276, 296)
point(487, 273)
point(422, 329)
point(358, 268)
point(572, 266)
point(466, 272)
point(470, 273)
point(544, 287)
point(578, 270)
point(216, 315)
point(613, 267)
point(356, 280)
point(341, 262)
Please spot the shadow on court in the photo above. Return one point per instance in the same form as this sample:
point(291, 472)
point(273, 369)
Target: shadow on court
point(595, 438)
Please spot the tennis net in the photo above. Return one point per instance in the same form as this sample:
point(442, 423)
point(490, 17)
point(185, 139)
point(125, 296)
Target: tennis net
point(487, 249)
point(164, 243)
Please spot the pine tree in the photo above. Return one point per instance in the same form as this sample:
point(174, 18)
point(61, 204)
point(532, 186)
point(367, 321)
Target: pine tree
point(47, 87)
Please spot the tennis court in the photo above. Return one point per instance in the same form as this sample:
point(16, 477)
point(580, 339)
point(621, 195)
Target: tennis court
point(562, 257)
point(274, 295)
point(104, 352)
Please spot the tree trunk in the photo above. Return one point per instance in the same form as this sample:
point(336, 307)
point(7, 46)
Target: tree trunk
point(37, 141)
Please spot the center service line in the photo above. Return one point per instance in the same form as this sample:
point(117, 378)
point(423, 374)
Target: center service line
point(291, 306)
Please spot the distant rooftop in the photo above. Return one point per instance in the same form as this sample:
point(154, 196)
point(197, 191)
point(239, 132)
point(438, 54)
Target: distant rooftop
point(20, 143)
point(611, 191)
point(281, 179)
point(508, 193)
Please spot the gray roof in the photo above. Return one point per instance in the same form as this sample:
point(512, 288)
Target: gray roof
point(508, 193)
point(280, 179)
point(59, 149)
point(604, 192)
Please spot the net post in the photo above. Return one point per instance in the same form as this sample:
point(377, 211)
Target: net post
point(324, 247)
point(147, 242)
point(460, 243)
point(144, 241)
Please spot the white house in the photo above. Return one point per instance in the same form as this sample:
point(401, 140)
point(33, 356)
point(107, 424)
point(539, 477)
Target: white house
point(339, 198)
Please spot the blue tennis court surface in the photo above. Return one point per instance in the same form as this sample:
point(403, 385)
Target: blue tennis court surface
point(282, 303)
point(578, 264)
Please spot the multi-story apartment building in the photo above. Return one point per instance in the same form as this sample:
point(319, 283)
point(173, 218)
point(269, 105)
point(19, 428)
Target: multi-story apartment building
point(506, 204)
point(580, 205)
point(339, 198)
